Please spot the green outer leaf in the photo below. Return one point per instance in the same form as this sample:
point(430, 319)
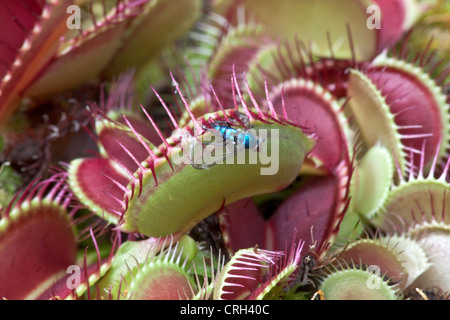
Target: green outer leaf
point(412, 255)
point(372, 252)
point(354, 284)
point(161, 280)
point(184, 197)
point(82, 63)
point(376, 174)
point(374, 116)
point(438, 97)
point(412, 201)
point(163, 22)
point(310, 21)
point(131, 255)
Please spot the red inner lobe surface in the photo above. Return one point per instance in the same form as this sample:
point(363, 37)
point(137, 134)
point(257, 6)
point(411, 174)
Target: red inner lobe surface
point(311, 211)
point(243, 224)
point(236, 61)
point(34, 248)
point(242, 280)
point(164, 284)
point(412, 104)
point(311, 110)
point(144, 128)
point(92, 177)
point(112, 139)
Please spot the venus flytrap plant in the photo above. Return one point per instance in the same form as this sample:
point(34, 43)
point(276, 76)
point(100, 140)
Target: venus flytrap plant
point(433, 237)
point(407, 102)
point(370, 183)
point(309, 104)
point(37, 240)
point(167, 260)
point(141, 205)
point(400, 259)
point(433, 25)
point(415, 198)
point(417, 208)
point(373, 179)
point(313, 106)
point(412, 224)
point(253, 273)
point(321, 114)
point(48, 58)
point(81, 277)
point(350, 282)
point(284, 21)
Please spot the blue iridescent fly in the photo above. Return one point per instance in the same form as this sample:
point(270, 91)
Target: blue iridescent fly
point(235, 133)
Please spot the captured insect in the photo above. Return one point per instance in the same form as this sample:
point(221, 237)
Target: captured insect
point(234, 135)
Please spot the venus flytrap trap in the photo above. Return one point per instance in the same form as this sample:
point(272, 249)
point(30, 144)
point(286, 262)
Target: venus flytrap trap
point(413, 257)
point(433, 237)
point(417, 207)
point(383, 265)
point(151, 269)
point(349, 282)
point(129, 255)
point(401, 260)
point(373, 179)
point(284, 21)
point(433, 25)
point(46, 57)
point(153, 201)
point(417, 197)
point(308, 104)
point(37, 235)
point(414, 104)
point(257, 274)
point(288, 151)
point(409, 220)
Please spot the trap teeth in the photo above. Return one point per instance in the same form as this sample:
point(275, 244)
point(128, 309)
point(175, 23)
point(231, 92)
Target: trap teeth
point(399, 105)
